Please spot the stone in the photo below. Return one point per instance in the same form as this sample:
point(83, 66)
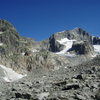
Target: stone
point(80, 97)
point(79, 77)
point(23, 96)
point(71, 86)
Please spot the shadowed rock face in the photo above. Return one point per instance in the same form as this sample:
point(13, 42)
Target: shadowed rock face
point(54, 46)
point(82, 48)
point(96, 40)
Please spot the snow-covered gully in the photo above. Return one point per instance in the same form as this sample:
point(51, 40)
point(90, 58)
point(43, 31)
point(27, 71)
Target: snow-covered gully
point(67, 43)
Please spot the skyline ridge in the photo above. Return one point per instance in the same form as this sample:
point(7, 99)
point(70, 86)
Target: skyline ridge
point(76, 28)
point(40, 18)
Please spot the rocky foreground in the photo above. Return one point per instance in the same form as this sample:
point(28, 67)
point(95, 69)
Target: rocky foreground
point(66, 66)
point(80, 82)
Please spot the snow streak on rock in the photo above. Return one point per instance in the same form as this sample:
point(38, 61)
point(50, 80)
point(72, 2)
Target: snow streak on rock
point(68, 45)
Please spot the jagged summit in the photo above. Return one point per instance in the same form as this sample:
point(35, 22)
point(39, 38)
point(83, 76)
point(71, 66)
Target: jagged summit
point(8, 38)
point(78, 29)
point(77, 33)
point(5, 25)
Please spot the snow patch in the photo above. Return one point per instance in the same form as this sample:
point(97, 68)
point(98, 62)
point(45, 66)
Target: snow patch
point(97, 48)
point(67, 54)
point(1, 32)
point(44, 76)
point(61, 31)
point(94, 55)
point(70, 55)
point(1, 44)
point(10, 74)
point(23, 53)
point(35, 50)
point(67, 43)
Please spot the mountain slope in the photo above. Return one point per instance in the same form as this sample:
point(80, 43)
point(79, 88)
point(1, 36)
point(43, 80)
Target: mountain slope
point(63, 67)
point(26, 54)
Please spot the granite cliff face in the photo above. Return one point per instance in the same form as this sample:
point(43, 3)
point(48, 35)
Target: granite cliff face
point(82, 48)
point(96, 40)
point(63, 67)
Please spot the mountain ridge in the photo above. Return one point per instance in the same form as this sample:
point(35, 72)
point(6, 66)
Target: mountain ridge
point(15, 45)
point(63, 67)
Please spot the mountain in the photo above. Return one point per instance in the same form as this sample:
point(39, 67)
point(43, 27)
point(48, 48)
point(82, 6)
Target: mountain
point(63, 67)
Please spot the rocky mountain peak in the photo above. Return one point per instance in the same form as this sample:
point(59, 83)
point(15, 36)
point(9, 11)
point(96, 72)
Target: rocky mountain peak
point(5, 26)
point(11, 42)
point(78, 29)
point(77, 34)
point(8, 37)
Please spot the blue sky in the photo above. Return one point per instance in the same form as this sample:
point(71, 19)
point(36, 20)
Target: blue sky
point(38, 19)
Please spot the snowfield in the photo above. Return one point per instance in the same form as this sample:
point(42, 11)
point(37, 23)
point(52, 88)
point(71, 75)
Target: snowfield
point(1, 44)
point(68, 45)
point(11, 75)
point(97, 48)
